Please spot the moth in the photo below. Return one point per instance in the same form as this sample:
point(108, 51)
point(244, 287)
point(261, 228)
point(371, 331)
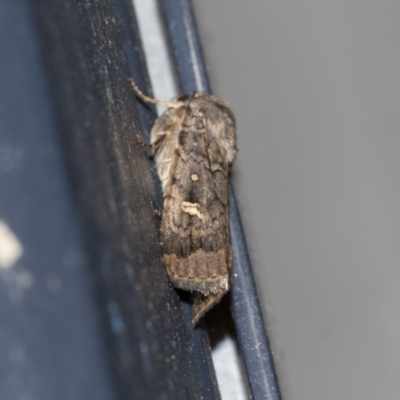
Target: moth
point(194, 144)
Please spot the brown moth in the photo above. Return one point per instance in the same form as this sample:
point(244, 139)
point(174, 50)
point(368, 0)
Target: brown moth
point(194, 143)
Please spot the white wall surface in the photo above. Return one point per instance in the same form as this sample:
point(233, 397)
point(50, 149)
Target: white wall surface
point(316, 90)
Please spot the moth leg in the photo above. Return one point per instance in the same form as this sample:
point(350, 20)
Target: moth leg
point(143, 144)
point(151, 146)
point(157, 213)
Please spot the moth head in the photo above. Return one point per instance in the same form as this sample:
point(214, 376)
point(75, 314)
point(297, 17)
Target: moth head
point(188, 97)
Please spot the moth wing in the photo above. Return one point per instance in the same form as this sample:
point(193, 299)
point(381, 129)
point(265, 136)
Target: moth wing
point(202, 304)
point(164, 141)
point(221, 125)
point(194, 226)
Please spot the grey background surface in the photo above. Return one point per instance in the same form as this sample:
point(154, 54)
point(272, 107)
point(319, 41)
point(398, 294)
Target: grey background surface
point(316, 90)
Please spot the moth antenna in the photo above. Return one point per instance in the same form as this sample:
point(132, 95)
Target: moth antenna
point(151, 100)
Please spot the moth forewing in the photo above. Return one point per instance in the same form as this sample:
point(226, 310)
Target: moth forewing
point(194, 143)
